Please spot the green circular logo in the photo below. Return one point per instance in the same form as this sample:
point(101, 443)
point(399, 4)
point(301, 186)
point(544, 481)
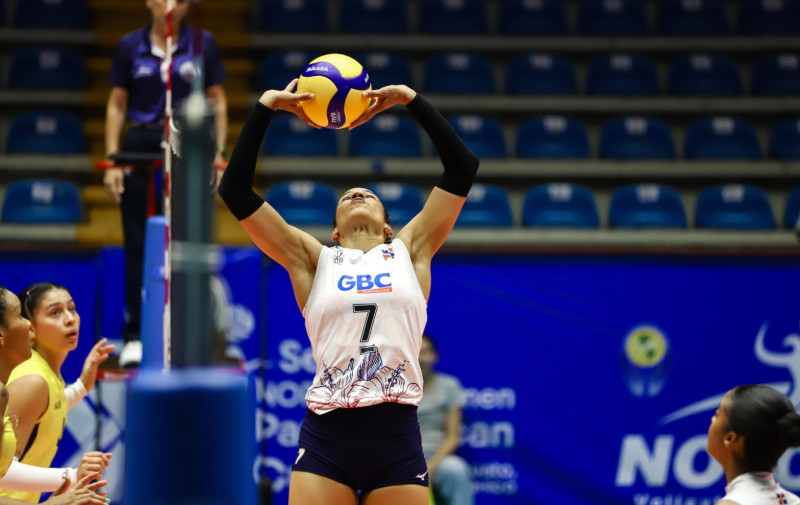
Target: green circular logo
point(645, 346)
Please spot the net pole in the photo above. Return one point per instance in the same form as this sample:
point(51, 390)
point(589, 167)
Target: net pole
point(168, 189)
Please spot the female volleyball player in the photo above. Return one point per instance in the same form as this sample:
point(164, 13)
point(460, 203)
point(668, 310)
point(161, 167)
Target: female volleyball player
point(750, 430)
point(38, 399)
point(15, 348)
point(365, 306)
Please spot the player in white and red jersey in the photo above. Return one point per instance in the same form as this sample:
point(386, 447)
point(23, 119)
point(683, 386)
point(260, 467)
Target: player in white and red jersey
point(365, 302)
point(751, 429)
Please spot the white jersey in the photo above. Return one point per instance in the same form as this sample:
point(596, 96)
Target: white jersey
point(758, 488)
point(365, 316)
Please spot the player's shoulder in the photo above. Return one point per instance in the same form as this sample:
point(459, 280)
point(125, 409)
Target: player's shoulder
point(132, 39)
point(448, 380)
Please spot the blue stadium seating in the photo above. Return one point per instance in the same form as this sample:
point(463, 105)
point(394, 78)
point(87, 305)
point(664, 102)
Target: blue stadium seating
point(538, 17)
point(486, 206)
point(540, 74)
point(769, 17)
point(296, 16)
point(62, 14)
point(304, 202)
point(622, 75)
point(704, 75)
point(784, 141)
point(559, 205)
point(373, 16)
point(646, 206)
point(45, 133)
point(484, 136)
point(636, 138)
point(791, 213)
point(734, 206)
point(386, 135)
point(42, 201)
point(458, 73)
point(776, 75)
point(278, 69)
point(453, 17)
point(692, 18)
point(289, 136)
point(47, 68)
point(553, 137)
point(386, 68)
point(612, 17)
point(402, 201)
point(721, 138)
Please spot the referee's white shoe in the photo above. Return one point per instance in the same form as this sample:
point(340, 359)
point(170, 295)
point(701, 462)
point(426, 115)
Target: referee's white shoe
point(131, 355)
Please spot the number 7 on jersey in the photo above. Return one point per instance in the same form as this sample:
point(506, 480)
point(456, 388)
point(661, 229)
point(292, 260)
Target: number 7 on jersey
point(370, 309)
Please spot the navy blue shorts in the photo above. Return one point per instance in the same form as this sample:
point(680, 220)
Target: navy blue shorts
point(364, 448)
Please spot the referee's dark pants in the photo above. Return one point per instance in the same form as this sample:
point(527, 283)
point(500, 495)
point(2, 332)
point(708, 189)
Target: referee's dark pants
point(134, 206)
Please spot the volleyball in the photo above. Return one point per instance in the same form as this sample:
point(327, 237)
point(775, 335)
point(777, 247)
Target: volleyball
point(337, 82)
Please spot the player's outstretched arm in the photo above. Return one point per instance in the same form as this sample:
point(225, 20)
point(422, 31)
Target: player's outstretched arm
point(427, 231)
point(294, 249)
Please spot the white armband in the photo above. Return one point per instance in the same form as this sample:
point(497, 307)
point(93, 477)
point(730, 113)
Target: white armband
point(75, 393)
point(33, 479)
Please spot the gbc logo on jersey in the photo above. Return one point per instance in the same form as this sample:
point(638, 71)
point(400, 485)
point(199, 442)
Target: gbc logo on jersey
point(363, 284)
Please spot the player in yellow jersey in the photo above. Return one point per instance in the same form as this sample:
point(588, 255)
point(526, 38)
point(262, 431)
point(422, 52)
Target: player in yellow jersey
point(40, 401)
point(15, 348)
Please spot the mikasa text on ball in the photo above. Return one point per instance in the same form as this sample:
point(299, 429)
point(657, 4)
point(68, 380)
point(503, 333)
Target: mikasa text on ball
point(337, 82)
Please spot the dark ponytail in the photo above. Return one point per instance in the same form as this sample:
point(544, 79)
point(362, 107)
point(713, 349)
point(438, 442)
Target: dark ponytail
point(33, 294)
point(767, 420)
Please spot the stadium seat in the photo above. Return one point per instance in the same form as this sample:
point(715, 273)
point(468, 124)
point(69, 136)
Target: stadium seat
point(386, 135)
point(612, 17)
point(776, 75)
point(636, 138)
point(484, 136)
point(784, 141)
point(540, 74)
point(64, 14)
point(453, 17)
point(402, 201)
point(304, 202)
point(289, 136)
point(42, 201)
point(373, 16)
point(559, 205)
point(769, 17)
point(692, 18)
point(622, 75)
point(278, 69)
point(386, 68)
point(646, 206)
point(791, 214)
point(552, 137)
point(486, 206)
point(47, 68)
point(458, 73)
point(721, 138)
point(734, 206)
point(704, 75)
point(537, 17)
point(297, 16)
point(45, 133)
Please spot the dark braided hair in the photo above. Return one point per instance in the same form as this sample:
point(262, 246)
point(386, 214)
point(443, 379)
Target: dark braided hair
point(767, 420)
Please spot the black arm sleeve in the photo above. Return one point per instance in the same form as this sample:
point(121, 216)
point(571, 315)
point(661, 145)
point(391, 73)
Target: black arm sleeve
point(460, 165)
point(236, 186)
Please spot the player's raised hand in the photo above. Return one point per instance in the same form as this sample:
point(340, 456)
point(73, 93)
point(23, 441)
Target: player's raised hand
point(385, 97)
point(97, 355)
point(288, 100)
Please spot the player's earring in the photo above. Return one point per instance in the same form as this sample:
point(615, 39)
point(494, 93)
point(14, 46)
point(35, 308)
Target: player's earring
point(336, 238)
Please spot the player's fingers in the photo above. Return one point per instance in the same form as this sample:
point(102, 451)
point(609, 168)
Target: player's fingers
point(302, 97)
point(86, 480)
point(289, 87)
point(304, 117)
point(94, 486)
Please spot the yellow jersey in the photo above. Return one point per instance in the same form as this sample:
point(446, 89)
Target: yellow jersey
point(43, 442)
point(8, 445)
